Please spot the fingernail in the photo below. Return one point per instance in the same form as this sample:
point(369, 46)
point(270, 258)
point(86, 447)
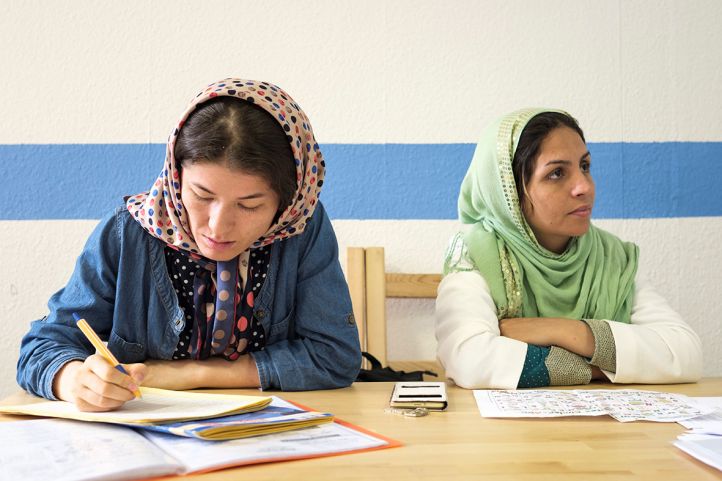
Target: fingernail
point(132, 387)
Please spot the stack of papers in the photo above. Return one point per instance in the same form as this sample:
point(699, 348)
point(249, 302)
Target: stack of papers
point(66, 450)
point(706, 448)
point(198, 415)
point(710, 423)
point(704, 438)
point(273, 419)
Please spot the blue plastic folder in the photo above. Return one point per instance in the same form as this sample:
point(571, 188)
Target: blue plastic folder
point(272, 419)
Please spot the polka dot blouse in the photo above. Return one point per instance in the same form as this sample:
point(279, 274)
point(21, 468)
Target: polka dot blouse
point(183, 270)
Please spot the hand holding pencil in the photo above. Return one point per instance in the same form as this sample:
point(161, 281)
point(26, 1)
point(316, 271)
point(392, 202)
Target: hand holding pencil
point(102, 348)
point(100, 383)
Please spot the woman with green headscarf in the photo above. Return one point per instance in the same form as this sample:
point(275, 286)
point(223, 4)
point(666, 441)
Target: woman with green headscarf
point(533, 294)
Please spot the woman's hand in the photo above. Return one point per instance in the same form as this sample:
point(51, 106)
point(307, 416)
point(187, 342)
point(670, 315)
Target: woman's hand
point(95, 385)
point(571, 334)
point(598, 374)
point(176, 375)
point(215, 372)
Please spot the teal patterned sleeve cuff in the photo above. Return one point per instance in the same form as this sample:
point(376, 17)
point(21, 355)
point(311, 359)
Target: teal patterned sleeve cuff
point(566, 368)
point(605, 351)
point(534, 373)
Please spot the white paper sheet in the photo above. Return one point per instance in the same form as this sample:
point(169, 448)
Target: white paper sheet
point(707, 449)
point(63, 450)
point(623, 405)
point(199, 455)
point(709, 423)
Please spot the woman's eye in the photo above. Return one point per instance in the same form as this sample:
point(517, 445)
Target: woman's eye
point(586, 167)
point(249, 209)
point(201, 198)
point(555, 174)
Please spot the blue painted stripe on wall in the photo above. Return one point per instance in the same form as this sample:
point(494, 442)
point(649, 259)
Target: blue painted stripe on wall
point(364, 181)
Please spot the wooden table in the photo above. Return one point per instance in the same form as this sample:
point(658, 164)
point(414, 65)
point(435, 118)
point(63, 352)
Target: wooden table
point(459, 444)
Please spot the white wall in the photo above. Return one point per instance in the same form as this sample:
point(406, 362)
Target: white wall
point(365, 72)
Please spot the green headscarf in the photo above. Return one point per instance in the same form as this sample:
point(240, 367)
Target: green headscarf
point(592, 279)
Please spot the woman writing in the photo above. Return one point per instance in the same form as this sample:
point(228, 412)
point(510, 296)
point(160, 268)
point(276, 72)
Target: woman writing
point(223, 274)
point(534, 295)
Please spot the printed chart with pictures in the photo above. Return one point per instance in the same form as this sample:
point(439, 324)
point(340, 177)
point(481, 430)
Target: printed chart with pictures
point(623, 405)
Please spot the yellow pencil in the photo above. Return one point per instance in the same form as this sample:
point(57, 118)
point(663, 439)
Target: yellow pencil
point(101, 348)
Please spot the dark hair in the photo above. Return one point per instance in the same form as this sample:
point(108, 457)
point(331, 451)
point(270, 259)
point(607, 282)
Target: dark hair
point(530, 140)
point(248, 138)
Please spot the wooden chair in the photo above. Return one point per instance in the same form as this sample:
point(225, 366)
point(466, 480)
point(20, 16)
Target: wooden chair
point(370, 285)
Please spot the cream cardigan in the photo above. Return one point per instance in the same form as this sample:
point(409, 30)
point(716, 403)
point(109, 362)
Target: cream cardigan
point(657, 347)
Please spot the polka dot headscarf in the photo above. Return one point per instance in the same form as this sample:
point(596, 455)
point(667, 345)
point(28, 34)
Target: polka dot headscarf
point(222, 304)
point(160, 210)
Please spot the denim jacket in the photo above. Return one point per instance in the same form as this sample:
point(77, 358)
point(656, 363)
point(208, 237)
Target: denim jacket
point(121, 286)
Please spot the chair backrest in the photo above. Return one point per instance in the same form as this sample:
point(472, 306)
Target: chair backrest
point(370, 285)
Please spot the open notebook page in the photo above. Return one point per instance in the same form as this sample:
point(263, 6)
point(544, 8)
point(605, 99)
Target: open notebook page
point(62, 450)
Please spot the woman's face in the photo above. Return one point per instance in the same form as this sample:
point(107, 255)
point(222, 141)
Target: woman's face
point(227, 209)
point(560, 193)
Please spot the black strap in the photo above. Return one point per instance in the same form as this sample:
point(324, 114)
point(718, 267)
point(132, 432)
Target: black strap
point(377, 373)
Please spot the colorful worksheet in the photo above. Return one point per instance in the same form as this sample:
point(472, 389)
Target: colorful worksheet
point(623, 405)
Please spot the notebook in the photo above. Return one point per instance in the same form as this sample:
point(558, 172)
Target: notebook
point(249, 415)
point(156, 406)
point(68, 450)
